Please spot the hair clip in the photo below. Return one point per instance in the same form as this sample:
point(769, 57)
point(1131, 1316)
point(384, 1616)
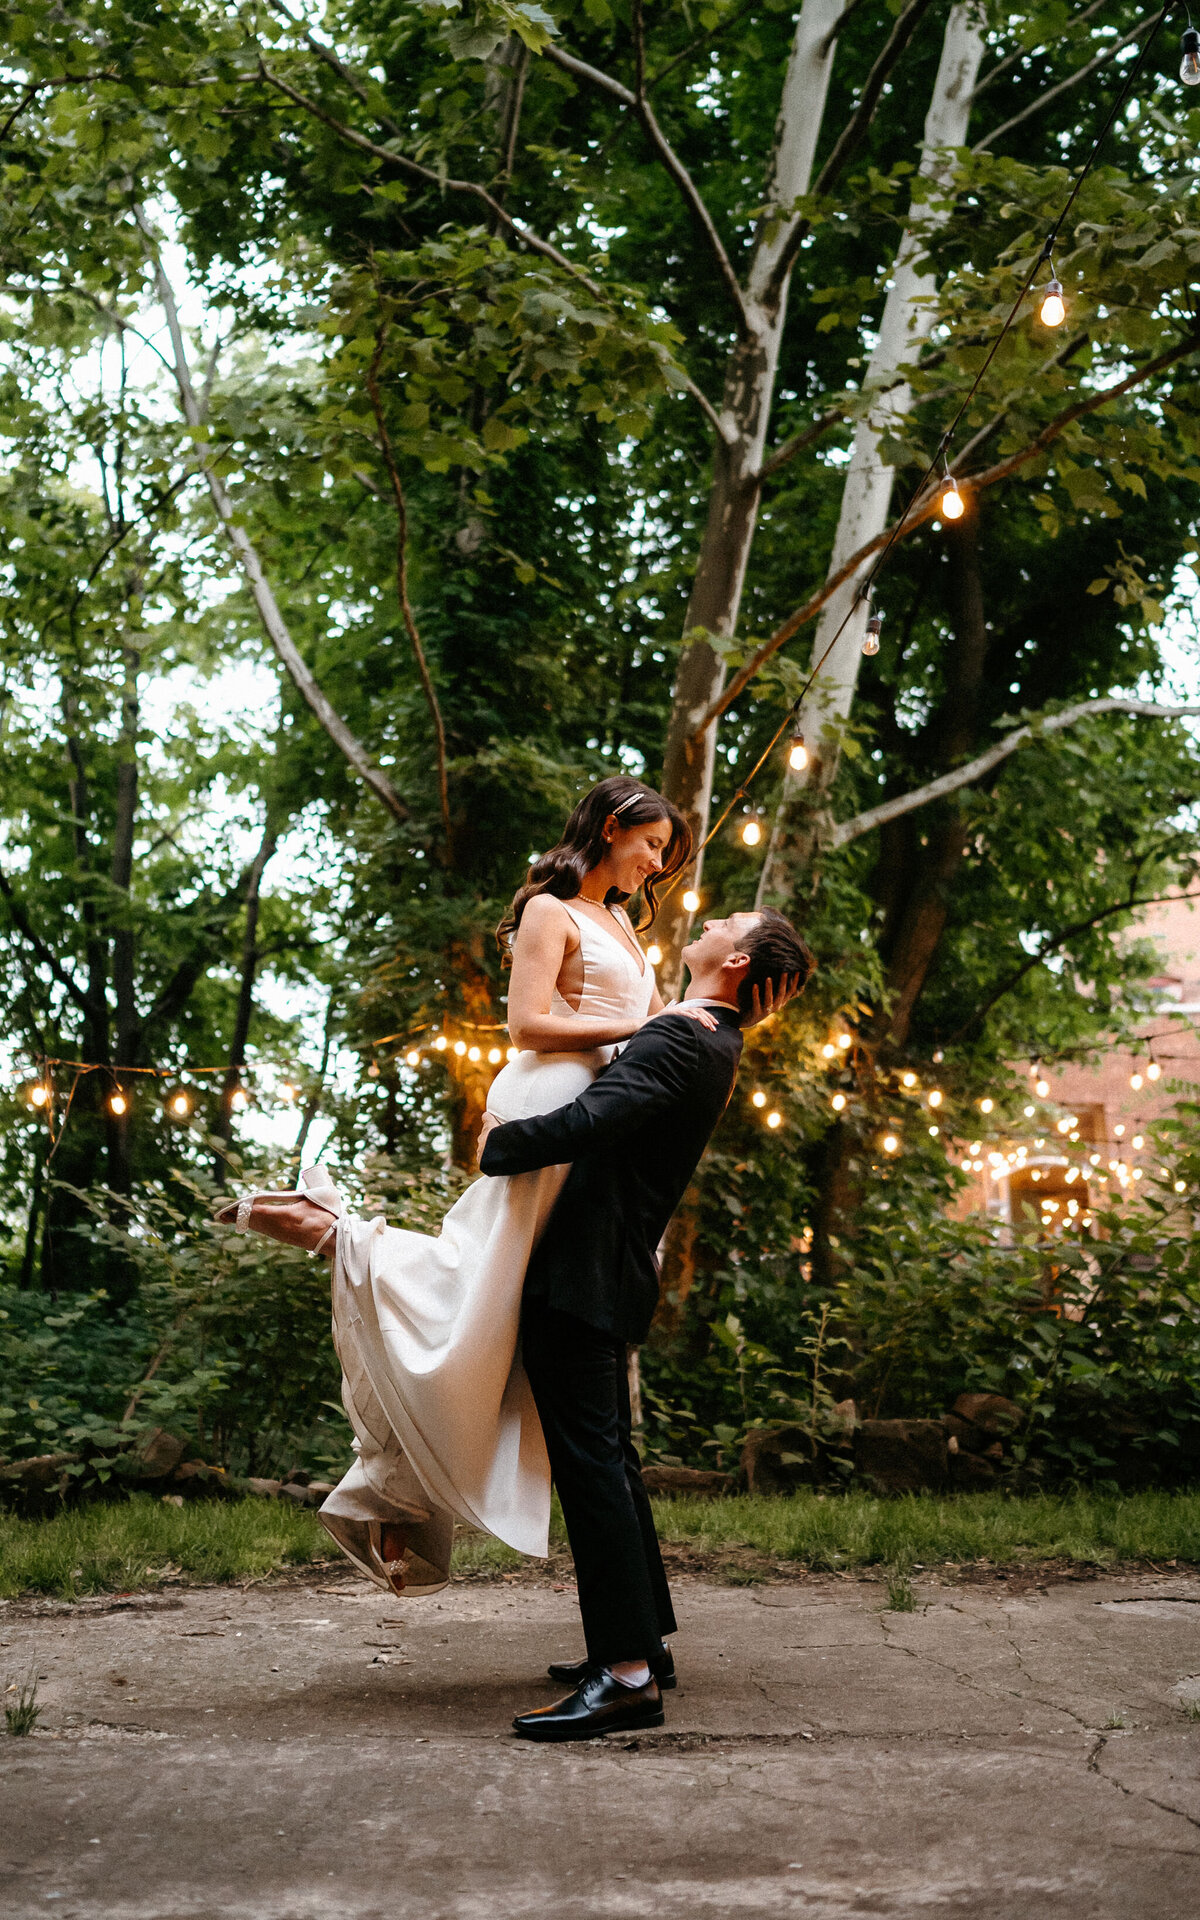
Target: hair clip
point(627, 802)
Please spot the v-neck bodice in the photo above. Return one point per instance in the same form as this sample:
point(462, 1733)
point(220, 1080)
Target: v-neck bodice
point(613, 985)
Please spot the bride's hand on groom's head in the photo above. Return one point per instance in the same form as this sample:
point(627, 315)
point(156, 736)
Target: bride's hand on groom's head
point(764, 1004)
point(490, 1122)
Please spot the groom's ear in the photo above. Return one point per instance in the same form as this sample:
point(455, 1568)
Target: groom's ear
point(736, 966)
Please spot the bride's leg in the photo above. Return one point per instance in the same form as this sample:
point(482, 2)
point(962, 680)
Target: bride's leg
point(296, 1223)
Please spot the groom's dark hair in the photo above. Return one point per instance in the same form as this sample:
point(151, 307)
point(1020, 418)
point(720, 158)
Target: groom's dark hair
point(776, 953)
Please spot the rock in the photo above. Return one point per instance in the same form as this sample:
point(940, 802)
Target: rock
point(991, 1412)
point(971, 1471)
point(707, 1485)
point(902, 1456)
point(777, 1459)
point(964, 1434)
point(172, 1499)
point(305, 1496)
point(38, 1474)
point(843, 1418)
point(157, 1455)
point(296, 1477)
point(266, 1489)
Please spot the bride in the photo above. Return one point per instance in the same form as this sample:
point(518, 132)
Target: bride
point(426, 1328)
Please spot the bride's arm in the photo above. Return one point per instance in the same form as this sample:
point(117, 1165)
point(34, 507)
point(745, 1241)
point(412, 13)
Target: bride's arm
point(538, 955)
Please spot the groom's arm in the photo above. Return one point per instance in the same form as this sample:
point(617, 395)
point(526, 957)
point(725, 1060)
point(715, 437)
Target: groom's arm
point(653, 1071)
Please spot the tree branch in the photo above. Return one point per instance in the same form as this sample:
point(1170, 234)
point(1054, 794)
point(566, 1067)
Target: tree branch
point(24, 926)
point(1130, 904)
point(1072, 80)
point(246, 555)
point(790, 448)
point(855, 131)
point(1027, 53)
point(922, 509)
point(975, 770)
point(638, 105)
point(429, 178)
point(431, 699)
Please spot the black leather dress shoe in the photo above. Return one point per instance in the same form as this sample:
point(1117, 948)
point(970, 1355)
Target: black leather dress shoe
point(569, 1673)
point(599, 1704)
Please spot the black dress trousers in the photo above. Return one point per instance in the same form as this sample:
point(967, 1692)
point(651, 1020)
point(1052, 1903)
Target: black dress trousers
point(580, 1381)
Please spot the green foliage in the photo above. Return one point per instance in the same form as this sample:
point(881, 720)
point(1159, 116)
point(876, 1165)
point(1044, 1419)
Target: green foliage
point(21, 1709)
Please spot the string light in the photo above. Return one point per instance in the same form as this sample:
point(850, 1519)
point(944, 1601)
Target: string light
point(1189, 66)
point(513, 1052)
point(287, 1091)
point(412, 1058)
point(1029, 1112)
point(1136, 1082)
point(870, 643)
point(117, 1104)
point(441, 1043)
point(239, 1099)
point(798, 754)
point(1181, 1186)
point(845, 1040)
point(1153, 1071)
point(654, 955)
point(986, 1106)
point(933, 1132)
point(473, 1053)
point(951, 506)
point(1042, 1088)
point(909, 1080)
point(460, 1047)
point(758, 1098)
point(39, 1096)
point(890, 1143)
point(179, 1105)
point(1053, 310)
point(751, 833)
point(691, 900)
point(829, 1051)
point(1138, 1142)
point(494, 1056)
point(838, 1102)
point(1119, 1130)
point(936, 1096)
point(774, 1119)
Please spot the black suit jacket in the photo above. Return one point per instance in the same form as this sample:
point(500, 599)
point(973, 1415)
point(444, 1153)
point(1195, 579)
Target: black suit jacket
point(634, 1139)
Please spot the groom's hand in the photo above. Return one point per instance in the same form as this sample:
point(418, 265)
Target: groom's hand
point(489, 1122)
point(769, 1002)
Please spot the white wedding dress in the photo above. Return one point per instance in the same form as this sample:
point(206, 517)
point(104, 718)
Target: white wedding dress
point(427, 1328)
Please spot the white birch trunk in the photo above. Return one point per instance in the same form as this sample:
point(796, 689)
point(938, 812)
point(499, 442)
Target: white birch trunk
point(745, 417)
point(866, 497)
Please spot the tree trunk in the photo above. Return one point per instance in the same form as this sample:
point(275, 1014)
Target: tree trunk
point(736, 486)
point(312, 1105)
point(245, 1000)
point(120, 1170)
point(866, 497)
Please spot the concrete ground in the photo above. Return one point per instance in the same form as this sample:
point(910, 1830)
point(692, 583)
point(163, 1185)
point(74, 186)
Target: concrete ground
point(314, 1750)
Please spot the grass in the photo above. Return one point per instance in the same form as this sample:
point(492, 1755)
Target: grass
point(141, 1543)
point(22, 1714)
point(900, 1595)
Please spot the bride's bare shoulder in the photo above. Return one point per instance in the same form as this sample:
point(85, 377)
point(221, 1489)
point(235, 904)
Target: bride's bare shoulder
point(547, 919)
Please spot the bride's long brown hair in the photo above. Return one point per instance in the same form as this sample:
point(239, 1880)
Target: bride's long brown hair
point(562, 871)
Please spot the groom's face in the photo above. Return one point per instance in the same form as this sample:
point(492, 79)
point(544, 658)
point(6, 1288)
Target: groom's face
point(719, 941)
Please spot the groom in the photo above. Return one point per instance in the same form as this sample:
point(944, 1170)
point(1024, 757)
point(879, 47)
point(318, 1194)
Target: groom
point(634, 1139)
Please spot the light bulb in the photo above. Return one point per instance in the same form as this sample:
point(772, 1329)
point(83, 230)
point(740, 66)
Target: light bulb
point(933, 1132)
point(1153, 1071)
point(474, 1054)
point(39, 1096)
point(936, 1097)
point(287, 1091)
point(1042, 1088)
point(412, 1059)
point(691, 900)
point(373, 1070)
point(951, 506)
point(1189, 66)
point(844, 1040)
point(460, 1047)
point(1119, 1130)
point(512, 1053)
point(494, 1056)
point(870, 643)
point(180, 1105)
point(118, 1104)
point(1136, 1082)
point(1181, 1186)
point(909, 1080)
point(1029, 1112)
point(758, 1099)
point(654, 955)
point(774, 1119)
point(240, 1099)
point(838, 1102)
point(798, 755)
point(441, 1043)
point(985, 1106)
point(1138, 1142)
point(1052, 311)
point(890, 1143)
point(751, 833)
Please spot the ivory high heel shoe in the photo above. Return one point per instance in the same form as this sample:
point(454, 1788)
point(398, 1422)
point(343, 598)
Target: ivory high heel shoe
point(314, 1185)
